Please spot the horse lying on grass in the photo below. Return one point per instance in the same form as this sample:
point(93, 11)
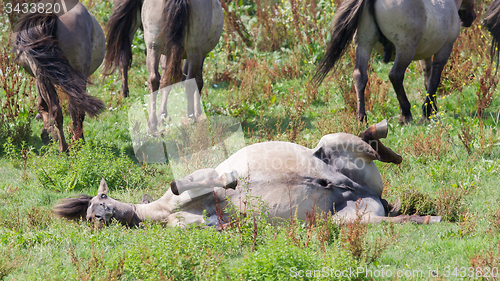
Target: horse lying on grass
point(337, 176)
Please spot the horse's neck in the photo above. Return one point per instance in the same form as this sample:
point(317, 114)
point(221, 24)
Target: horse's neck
point(158, 210)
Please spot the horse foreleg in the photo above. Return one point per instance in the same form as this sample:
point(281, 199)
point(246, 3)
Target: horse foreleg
point(396, 75)
point(438, 62)
point(152, 62)
point(203, 181)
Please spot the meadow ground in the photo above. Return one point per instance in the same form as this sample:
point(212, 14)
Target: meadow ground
point(259, 73)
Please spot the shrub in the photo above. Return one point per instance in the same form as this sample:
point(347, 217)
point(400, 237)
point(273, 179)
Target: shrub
point(84, 167)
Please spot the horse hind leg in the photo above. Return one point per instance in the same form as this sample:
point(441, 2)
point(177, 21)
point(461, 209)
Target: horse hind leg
point(426, 69)
point(396, 75)
point(194, 70)
point(152, 62)
point(429, 107)
point(48, 103)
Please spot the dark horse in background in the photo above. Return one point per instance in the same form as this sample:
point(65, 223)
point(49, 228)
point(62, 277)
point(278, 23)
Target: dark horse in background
point(405, 30)
point(173, 29)
point(61, 50)
point(492, 23)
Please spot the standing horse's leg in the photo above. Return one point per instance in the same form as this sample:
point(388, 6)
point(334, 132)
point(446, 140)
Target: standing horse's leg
point(164, 92)
point(194, 70)
point(152, 61)
point(397, 75)
point(438, 62)
point(365, 39)
point(43, 110)
point(361, 78)
point(426, 69)
point(58, 117)
point(77, 117)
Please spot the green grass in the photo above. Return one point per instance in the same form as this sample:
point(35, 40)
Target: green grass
point(266, 89)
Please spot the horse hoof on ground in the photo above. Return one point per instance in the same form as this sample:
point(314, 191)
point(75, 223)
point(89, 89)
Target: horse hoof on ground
point(423, 120)
point(405, 120)
point(362, 118)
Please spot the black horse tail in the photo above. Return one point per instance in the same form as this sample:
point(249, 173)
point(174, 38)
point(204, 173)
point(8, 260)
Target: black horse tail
point(345, 24)
point(72, 208)
point(175, 25)
point(118, 28)
point(492, 23)
point(36, 40)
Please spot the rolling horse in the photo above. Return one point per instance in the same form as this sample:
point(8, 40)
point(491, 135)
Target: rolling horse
point(403, 30)
point(61, 49)
point(337, 176)
point(173, 30)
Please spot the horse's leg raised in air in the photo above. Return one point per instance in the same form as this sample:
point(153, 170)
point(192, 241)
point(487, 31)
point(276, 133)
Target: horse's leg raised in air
point(203, 181)
point(440, 58)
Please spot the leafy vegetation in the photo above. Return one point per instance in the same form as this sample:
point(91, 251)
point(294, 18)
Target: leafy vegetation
point(259, 74)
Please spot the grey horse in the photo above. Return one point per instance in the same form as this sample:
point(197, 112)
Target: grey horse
point(403, 30)
point(173, 30)
point(337, 176)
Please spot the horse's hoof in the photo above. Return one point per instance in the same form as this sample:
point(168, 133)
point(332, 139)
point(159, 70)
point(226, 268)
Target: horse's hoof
point(423, 120)
point(405, 120)
point(362, 118)
point(46, 139)
point(230, 180)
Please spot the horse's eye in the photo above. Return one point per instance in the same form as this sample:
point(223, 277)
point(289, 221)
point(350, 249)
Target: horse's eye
point(104, 196)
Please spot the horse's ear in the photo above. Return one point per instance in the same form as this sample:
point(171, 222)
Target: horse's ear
point(320, 153)
point(103, 187)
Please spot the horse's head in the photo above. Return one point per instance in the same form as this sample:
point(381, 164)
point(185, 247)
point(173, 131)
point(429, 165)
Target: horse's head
point(100, 208)
point(467, 13)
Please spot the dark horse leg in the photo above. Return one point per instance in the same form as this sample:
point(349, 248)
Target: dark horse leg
point(438, 62)
point(396, 75)
point(195, 70)
point(77, 117)
point(426, 69)
point(48, 103)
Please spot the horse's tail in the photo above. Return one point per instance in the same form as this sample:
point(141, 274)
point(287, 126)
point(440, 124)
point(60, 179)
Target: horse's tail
point(175, 24)
point(345, 23)
point(36, 40)
point(118, 28)
point(492, 23)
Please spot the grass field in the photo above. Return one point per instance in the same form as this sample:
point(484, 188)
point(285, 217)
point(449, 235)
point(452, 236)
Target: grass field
point(259, 73)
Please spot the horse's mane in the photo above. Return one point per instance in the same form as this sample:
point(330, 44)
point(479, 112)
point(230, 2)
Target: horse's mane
point(73, 208)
